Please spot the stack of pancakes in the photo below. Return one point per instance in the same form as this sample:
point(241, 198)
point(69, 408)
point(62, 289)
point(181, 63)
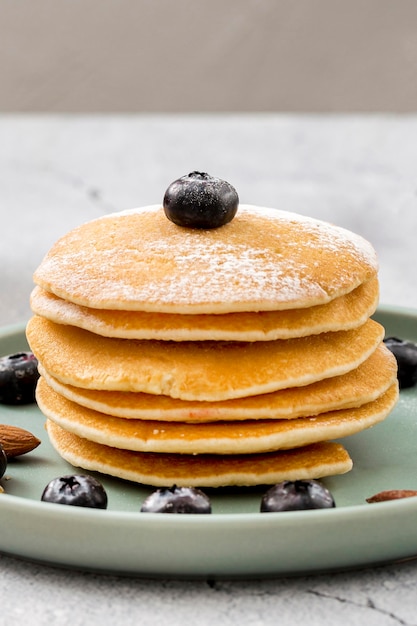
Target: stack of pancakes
point(231, 356)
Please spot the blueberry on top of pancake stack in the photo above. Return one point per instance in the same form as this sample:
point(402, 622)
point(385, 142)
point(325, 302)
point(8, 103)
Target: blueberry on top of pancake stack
point(204, 342)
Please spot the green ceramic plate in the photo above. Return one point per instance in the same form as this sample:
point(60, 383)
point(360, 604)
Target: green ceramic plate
point(236, 540)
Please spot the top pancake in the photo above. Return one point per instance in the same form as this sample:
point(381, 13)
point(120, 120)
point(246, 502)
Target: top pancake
point(263, 260)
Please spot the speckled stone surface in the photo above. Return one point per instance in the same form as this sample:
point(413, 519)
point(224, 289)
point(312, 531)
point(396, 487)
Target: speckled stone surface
point(356, 171)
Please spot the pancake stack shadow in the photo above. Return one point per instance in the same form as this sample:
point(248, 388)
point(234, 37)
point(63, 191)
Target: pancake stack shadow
point(209, 358)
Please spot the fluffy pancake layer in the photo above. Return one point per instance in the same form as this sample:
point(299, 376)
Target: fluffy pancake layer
point(263, 260)
point(237, 437)
point(342, 313)
point(160, 470)
point(205, 370)
point(359, 386)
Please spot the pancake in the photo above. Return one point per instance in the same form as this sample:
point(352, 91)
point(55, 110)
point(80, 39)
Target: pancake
point(219, 438)
point(263, 260)
point(228, 356)
point(343, 313)
point(208, 370)
point(359, 386)
point(161, 470)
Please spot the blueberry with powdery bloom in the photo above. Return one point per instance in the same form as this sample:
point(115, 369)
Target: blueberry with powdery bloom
point(177, 500)
point(405, 353)
point(76, 490)
point(18, 378)
point(199, 200)
point(3, 461)
point(297, 495)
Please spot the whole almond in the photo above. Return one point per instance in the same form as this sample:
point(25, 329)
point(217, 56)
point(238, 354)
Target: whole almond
point(393, 494)
point(17, 441)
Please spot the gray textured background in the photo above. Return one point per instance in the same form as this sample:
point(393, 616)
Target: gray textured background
point(286, 73)
point(58, 171)
point(208, 55)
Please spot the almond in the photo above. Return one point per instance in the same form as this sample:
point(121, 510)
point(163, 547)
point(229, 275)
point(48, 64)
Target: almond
point(17, 441)
point(393, 494)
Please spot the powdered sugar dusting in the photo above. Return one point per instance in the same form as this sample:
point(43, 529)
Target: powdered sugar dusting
point(263, 259)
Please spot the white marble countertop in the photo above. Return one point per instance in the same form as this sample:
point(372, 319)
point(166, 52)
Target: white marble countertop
point(56, 172)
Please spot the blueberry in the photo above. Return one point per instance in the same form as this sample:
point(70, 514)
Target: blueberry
point(3, 461)
point(406, 354)
point(18, 377)
point(76, 490)
point(199, 200)
point(297, 495)
point(177, 500)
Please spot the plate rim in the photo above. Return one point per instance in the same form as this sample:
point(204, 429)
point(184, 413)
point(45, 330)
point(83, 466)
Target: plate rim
point(23, 509)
